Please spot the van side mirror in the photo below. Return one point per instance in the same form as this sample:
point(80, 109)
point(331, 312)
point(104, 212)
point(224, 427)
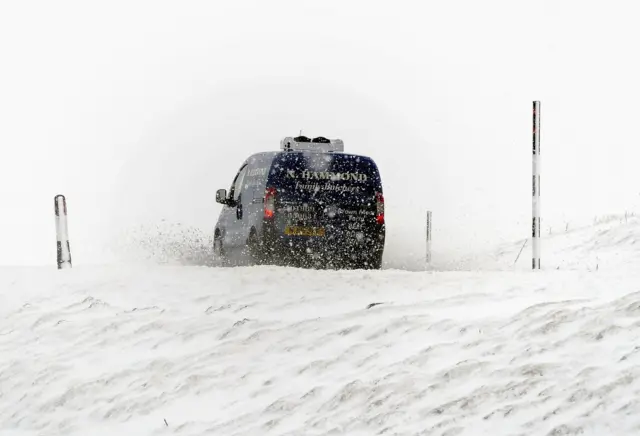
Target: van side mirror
point(221, 196)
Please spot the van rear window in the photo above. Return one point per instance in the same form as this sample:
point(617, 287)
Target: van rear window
point(323, 175)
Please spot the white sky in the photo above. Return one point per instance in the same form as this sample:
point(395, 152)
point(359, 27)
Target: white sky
point(138, 111)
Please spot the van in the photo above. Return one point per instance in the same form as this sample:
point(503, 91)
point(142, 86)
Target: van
point(309, 205)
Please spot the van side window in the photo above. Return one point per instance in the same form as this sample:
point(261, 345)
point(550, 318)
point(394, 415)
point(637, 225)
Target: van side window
point(236, 188)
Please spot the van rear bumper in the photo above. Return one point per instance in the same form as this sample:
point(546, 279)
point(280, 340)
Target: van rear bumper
point(324, 251)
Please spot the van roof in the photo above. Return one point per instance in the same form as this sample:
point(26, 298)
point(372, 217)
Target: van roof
point(275, 154)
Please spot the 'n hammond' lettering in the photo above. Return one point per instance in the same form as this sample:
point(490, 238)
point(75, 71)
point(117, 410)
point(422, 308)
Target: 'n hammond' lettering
point(327, 176)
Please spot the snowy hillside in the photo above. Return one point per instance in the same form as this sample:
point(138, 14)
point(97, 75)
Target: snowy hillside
point(153, 350)
point(611, 243)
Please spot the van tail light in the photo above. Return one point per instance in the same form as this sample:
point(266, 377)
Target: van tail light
point(269, 203)
point(379, 208)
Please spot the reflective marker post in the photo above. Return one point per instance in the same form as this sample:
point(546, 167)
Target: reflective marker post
point(428, 237)
point(535, 223)
point(62, 232)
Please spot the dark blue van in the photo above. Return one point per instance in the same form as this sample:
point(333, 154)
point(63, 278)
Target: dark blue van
point(309, 205)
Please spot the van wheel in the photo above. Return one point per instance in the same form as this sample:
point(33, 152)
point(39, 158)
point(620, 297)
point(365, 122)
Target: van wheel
point(219, 256)
point(256, 257)
point(373, 262)
point(376, 261)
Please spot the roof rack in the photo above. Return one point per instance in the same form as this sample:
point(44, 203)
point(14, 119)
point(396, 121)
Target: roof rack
point(319, 144)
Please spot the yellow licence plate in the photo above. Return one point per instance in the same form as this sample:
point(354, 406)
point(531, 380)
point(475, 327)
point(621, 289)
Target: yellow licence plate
point(304, 231)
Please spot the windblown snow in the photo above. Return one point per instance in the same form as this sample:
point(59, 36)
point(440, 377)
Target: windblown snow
point(191, 350)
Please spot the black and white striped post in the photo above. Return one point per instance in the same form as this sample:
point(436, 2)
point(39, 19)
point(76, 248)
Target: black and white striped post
point(536, 187)
point(62, 232)
point(428, 237)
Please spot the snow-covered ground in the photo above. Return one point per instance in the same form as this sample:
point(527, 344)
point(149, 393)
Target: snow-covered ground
point(192, 350)
point(612, 243)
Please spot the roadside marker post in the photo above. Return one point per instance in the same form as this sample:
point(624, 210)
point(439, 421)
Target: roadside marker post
point(62, 232)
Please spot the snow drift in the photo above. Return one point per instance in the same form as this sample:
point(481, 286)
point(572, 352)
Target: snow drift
point(152, 350)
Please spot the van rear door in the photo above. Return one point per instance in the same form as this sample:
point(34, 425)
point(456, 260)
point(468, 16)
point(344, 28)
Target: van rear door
point(326, 196)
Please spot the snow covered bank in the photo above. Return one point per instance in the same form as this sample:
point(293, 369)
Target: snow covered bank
point(612, 243)
point(100, 350)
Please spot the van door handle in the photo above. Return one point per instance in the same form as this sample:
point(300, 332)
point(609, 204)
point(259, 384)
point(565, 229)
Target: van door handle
point(239, 211)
